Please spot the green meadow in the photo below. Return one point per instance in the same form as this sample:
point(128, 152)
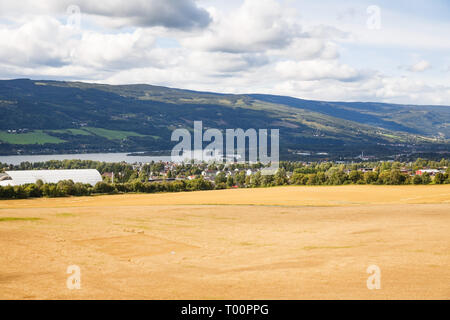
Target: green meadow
point(34, 137)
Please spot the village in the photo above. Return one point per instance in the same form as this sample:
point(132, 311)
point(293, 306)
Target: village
point(174, 171)
point(234, 172)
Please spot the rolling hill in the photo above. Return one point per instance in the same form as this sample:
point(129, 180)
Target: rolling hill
point(39, 117)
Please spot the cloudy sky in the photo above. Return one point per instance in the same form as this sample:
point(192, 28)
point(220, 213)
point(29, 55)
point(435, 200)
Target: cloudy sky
point(355, 50)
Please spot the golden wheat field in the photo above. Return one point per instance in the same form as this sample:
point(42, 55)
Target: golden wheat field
point(273, 243)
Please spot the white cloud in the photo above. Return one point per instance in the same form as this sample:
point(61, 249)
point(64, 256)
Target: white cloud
point(256, 26)
point(307, 49)
point(327, 32)
point(223, 63)
point(40, 41)
point(45, 42)
point(114, 51)
point(258, 46)
point(316, 70)
point(179, 14)
point(420, 66)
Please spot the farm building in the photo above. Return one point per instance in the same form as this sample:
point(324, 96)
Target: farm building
point(431, 172)
point(14, 178)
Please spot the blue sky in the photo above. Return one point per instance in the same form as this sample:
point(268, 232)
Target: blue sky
point(387, 51)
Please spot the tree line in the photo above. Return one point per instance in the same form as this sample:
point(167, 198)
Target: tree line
point(69, 188)
point(135, 179)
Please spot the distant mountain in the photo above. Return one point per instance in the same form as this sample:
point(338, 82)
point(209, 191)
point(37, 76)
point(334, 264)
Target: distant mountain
point(58, 117)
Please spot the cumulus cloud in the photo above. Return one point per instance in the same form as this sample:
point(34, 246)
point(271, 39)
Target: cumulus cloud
point(179, 14)
point(316, 70)
point(255, 26)
point(37, 42)
point(420, 66)
point(327, 32)
point(223, 63)
point(44, 42)
point(307, 49)
point(376, 87)
point(259, 46)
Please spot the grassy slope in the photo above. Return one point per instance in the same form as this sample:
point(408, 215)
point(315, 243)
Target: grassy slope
point(140, 112)
point(41, 137)
point(113, 134)
point(35, 137)
point(75, 132)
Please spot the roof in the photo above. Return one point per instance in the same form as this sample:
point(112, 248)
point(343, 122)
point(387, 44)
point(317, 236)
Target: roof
point(87, 176)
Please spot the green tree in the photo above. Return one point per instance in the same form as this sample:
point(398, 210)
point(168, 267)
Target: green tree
point(220, 178)
point(354, 176)
point(417, 179)
point(230, 181)
point(7, 192)
point(281, 177)
point(66, 187)
point(20, 192)
point(384, 177)
point(312, 179)
point(33, 191)
point(39, 183)
point(370, 177)
point(426, 179)
point(439, 178)
point(102, 187)
point(240, 178)
point(80, 189)
point(256, 179)
point(267, 180)
point(321, 178)
point(396, 177)
point(299, 178)
point(337, 178)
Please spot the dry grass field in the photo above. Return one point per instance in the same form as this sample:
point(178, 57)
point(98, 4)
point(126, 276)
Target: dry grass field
point(275, 243)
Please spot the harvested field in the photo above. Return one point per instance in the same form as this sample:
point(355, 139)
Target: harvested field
point(275, 243)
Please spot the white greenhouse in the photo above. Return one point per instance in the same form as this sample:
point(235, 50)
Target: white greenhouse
point(14, 178)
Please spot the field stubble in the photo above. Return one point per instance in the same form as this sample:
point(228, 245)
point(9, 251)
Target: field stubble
point(276, 243)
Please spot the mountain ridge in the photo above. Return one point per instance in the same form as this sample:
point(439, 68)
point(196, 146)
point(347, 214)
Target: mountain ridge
point(91, 117)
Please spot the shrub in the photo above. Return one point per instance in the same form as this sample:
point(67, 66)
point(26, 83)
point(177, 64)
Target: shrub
point(439, 178)
point(50, 190)
point(396, 177)
point(370, 177)
point(417, 179)
point(33, 191)
point(102, 187)
point(7, 192)
point(66, 187)
point(426, 179)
